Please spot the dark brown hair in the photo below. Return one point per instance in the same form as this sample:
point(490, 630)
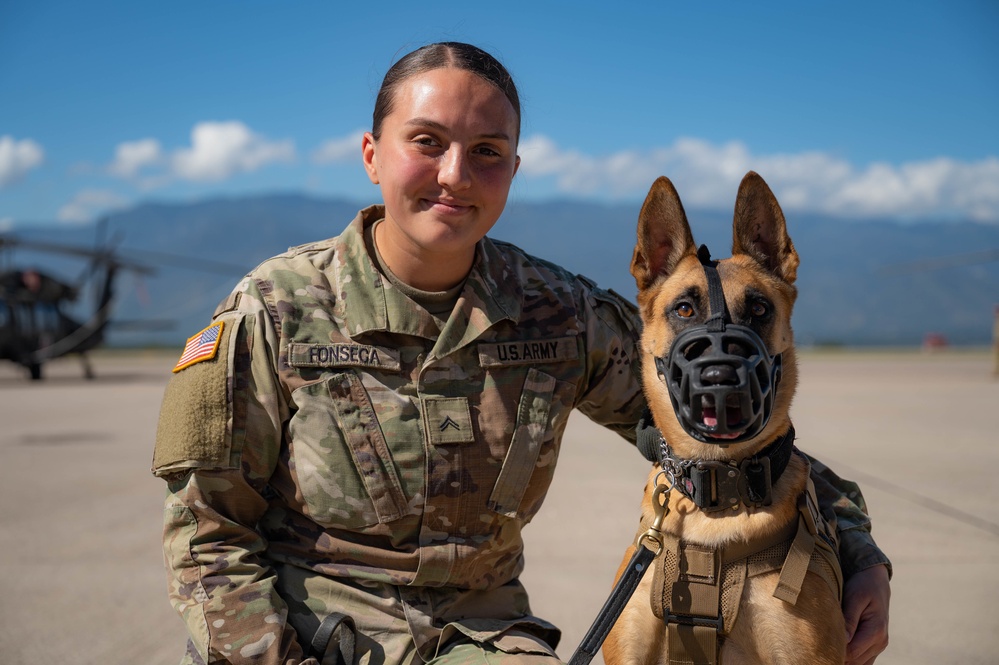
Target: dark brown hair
point(439, 56)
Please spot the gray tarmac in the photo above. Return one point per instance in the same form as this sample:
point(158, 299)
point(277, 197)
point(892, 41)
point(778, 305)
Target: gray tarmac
point(82, 574)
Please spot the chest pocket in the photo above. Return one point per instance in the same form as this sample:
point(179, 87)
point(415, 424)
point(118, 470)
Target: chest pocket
point(342, 462)
point(534, 414)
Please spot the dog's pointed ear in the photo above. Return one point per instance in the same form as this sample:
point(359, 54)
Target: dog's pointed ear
point(664, 236)
point(759, 229)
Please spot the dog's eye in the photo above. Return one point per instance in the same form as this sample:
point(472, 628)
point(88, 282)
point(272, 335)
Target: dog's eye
point(684, 310)
point(759, 309)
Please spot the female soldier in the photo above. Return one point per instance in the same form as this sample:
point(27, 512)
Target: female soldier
point(369, 421)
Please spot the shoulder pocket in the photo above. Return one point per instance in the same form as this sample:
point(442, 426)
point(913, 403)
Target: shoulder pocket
point(522, 457)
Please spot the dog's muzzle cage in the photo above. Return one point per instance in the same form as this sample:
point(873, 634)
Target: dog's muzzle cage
point(742, 403)
point(723, 369)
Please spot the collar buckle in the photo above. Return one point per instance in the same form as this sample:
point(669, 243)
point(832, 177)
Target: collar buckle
point(755, 485)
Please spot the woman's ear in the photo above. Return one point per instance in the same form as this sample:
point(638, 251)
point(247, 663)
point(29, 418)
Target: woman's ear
point(516, 165)
point(369, 158)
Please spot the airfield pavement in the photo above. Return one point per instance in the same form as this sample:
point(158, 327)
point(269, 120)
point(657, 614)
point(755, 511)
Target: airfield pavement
point(81, 568)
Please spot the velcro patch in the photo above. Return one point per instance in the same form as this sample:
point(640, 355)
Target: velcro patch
point(202, 346)
point(192, 424)
point(528, 352)
point(698, 563)
point(448, 420)
point(342, 355)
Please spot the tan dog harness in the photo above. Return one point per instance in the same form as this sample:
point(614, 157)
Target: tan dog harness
point(696, 589)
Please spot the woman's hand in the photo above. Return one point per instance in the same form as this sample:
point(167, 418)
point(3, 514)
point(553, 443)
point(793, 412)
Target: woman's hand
point(865, 608)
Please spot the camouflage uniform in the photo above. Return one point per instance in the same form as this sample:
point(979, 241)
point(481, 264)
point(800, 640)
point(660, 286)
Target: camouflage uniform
point(343, 450)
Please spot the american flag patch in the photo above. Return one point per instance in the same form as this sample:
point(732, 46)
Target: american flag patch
point(202, 346)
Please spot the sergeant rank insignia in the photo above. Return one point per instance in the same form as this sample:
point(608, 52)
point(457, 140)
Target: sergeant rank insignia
point(202, 346)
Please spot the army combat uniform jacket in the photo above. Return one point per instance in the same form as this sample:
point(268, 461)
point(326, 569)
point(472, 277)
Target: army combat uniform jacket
point(329, 446)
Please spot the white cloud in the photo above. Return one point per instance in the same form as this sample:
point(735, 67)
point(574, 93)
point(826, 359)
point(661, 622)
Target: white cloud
point(131, 157)
point(17, 158)
point(707, 175)
point(88, 203)
point(222, 149)
point(345, 149)
point(218, 150)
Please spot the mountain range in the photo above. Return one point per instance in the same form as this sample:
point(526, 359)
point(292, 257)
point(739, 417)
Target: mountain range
point(861, 282)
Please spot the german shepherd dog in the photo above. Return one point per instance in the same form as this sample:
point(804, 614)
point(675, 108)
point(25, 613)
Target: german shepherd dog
point(719, 373)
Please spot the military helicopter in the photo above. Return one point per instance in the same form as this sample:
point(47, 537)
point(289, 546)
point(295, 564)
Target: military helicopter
point(39, 319)
point(35, 325)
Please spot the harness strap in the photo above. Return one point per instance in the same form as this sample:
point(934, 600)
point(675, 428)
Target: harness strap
point(792, 573)
point(693, 645)
point(694, 622)
point(818, 551)
point(696, 589)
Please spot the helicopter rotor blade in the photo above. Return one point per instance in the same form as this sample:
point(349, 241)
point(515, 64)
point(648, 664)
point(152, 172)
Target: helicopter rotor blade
point(146, 256)
point(191, 262)
point(70, 250)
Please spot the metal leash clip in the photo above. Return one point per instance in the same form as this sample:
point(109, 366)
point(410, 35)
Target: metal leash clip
point(660, 503)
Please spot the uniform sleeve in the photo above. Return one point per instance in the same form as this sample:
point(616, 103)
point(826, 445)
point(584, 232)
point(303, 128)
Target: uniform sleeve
point(612, 396)
point(843, 498)
point(217, 444)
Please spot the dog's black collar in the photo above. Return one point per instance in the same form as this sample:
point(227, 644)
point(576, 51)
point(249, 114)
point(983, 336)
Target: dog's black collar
point(716, 485)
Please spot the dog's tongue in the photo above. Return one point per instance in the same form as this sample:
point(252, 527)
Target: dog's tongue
point(710, 419)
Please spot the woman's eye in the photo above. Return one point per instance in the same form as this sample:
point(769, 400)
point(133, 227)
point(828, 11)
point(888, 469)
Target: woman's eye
point(684, 310)
point(759, 309)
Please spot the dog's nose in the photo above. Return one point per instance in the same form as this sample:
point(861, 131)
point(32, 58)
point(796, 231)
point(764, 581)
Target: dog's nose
point(719, 375)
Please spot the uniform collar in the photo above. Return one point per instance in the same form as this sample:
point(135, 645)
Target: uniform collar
point(366, 301)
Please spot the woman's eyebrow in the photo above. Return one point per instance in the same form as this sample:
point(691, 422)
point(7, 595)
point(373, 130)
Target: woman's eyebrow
point(433, 124)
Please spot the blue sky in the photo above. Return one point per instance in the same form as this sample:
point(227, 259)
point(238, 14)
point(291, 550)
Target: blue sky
point(852, 109)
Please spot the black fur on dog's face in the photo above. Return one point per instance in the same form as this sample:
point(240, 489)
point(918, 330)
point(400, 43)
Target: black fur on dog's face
point(758, 282)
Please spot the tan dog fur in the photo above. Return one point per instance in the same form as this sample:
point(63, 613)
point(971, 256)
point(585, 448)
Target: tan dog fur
point(665, 265)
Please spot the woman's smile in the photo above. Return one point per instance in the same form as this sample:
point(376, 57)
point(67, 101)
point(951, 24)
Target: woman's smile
point(448, 206)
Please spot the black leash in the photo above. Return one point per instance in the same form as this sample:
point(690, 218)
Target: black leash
point(321, 640)
point(626, 584)
point(612, 609)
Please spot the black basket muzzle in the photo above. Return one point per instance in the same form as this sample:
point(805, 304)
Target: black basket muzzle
point(721, 378)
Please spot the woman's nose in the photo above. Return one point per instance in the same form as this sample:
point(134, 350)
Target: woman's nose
point(454, 172)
